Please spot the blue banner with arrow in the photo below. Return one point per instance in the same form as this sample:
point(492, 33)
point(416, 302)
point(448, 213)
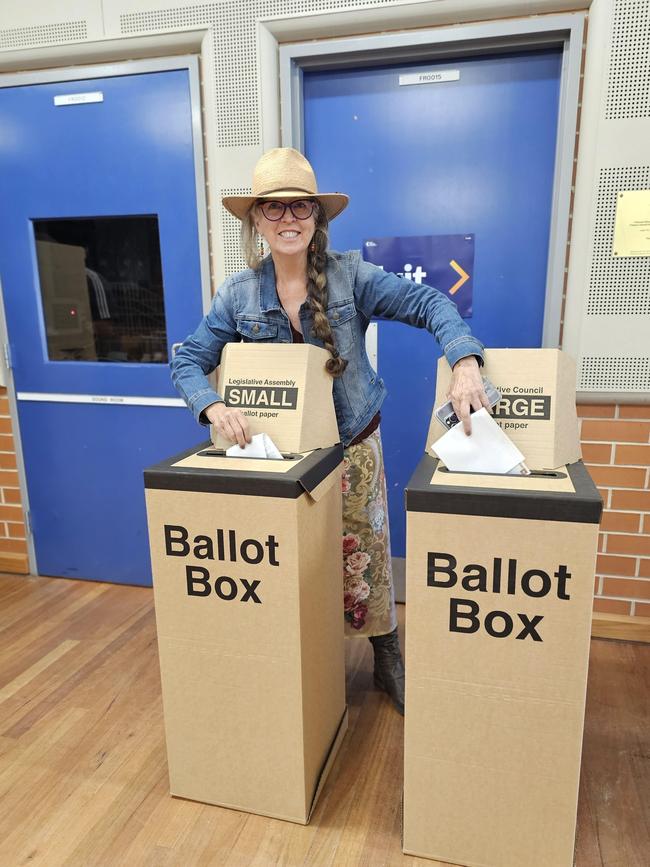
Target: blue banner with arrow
point(443, 261)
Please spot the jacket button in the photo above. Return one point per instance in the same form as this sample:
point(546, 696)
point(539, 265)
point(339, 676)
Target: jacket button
point(336, 315)
point(256, 328)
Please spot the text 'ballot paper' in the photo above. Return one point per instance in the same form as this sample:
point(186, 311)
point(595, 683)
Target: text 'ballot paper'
point(487, 450)
point(260, 446)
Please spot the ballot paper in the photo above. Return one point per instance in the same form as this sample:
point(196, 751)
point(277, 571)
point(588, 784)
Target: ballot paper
point(487, 450)
point(260, 446)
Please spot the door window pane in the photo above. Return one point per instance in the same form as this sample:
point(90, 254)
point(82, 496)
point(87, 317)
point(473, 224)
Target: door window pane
point(102, 289)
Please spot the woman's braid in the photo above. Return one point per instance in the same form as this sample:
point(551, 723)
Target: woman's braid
point(317, 294)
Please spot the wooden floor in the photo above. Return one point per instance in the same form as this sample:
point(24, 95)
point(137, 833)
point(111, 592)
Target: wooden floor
point(83, 777)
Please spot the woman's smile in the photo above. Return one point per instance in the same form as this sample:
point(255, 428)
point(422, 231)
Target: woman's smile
point(287, 236)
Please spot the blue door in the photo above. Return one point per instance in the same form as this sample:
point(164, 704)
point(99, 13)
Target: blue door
point(472, 156)
point(99, 262)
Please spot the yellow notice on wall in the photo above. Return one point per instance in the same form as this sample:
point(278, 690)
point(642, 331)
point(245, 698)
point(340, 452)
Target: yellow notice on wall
point(632, 226)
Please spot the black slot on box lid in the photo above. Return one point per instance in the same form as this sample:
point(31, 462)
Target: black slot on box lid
point(584, 506)
point(305, 476)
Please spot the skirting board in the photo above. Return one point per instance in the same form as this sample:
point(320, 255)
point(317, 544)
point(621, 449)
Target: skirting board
point(620, 626)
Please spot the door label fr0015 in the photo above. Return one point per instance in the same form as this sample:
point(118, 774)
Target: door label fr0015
point(432, 76)
point(78, 98)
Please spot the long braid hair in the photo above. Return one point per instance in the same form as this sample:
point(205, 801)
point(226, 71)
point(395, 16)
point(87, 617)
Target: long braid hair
point(316, 280)
point(317, 292)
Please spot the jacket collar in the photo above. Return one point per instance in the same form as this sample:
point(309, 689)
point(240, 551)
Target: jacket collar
point(268, 293)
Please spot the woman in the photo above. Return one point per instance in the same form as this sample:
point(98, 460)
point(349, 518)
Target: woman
point(302, 292)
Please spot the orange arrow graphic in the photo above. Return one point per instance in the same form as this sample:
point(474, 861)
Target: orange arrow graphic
point(464, 277)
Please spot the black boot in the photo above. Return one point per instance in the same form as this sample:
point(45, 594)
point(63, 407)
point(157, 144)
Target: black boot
point(389, 667)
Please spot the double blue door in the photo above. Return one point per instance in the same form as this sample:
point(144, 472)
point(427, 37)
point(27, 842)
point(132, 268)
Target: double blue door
point(100, 271)
point(471, 156)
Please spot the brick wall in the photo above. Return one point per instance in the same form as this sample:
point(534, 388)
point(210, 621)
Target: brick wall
point(13, 547)
point(616, 449)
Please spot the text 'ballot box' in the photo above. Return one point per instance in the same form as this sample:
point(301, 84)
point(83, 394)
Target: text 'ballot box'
point(246, 558)
point(499, 589)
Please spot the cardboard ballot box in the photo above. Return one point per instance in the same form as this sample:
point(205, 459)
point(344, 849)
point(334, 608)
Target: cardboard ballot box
point(499, 586)
point(284, 391)
point(538, 405)
point(246, 558)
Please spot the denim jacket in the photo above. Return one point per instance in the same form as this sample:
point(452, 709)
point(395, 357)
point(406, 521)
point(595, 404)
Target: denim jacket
point(246, 307)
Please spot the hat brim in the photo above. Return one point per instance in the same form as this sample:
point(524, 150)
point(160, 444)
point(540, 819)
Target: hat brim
point(333, 203)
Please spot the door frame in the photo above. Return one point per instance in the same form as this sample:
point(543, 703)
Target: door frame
point(53, 75)
point(565, 31)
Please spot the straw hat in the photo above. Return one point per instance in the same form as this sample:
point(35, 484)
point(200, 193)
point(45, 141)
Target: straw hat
point(284, 173)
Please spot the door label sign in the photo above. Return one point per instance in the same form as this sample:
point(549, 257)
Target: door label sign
point(431, 76)
point(443, 261)
point(78, 98)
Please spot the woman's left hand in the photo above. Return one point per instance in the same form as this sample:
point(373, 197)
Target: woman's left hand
point(466, 390)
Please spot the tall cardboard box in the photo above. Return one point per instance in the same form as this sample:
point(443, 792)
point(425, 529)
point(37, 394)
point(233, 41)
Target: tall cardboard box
point(247, 582)
point(64, 289)
point(538, 405)
point(499, 587)
point(284, 390)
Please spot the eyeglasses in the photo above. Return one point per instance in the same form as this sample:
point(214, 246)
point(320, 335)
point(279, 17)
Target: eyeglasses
point(301, 209)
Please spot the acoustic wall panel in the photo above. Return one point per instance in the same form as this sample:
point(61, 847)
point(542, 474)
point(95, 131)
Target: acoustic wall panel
point(617, 285)
point(235, 50)
point(43, 34)
point(607, 316)
point(603, 373)
point(231, 228)
point(628, 84)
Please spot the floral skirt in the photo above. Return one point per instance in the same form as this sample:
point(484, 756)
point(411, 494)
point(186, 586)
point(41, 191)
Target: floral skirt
point(369, 599)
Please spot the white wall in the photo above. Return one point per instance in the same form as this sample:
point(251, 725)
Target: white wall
point(607, 316)
point(241, 119)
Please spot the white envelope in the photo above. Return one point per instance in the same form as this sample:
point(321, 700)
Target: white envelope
point(487, 450)
point(260, 446)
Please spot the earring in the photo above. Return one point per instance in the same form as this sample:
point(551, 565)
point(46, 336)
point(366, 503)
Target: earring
point(312, 247)
point(260, 250)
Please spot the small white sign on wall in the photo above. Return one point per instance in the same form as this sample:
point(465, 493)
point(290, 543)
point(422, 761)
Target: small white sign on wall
point(78, 98)
point(632, 224)
point(431, 76)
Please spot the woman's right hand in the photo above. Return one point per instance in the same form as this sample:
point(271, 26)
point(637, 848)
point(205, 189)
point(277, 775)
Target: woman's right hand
point(230, 423)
